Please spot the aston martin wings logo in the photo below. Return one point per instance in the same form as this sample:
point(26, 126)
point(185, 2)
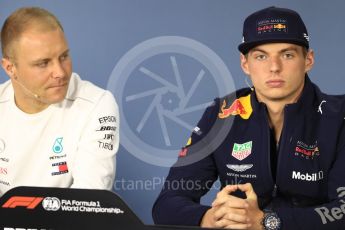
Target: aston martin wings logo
point(239, 168)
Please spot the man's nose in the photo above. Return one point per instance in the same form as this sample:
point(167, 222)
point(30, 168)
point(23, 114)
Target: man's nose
point(275, 64)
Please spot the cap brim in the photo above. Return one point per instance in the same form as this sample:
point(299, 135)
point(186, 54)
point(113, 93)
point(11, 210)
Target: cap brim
point(246, 46)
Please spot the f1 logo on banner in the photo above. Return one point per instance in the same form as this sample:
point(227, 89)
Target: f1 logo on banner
point(23, 201)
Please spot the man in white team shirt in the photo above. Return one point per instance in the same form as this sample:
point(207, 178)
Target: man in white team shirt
point(55, 129)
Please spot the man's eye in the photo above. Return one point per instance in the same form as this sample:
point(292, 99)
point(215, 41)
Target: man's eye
point(42, 64)
point(288, 55)
point(64, 57)
point(261, 57)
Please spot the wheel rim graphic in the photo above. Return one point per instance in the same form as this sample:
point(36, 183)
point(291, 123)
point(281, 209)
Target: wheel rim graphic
point(165, 95)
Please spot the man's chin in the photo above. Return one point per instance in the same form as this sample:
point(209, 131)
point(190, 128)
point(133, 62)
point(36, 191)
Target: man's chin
point(51, 100)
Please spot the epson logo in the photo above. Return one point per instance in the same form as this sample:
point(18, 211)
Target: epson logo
point(335, 213)
point(307, 176)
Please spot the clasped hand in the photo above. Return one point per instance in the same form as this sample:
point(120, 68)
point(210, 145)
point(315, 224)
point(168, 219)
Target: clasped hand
point(228, 211)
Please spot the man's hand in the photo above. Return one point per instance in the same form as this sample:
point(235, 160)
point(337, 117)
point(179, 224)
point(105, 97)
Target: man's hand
point(227, 211)
point(254, 214)
point(232, 212)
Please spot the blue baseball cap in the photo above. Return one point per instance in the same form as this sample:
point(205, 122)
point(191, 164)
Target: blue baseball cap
point(272, 25)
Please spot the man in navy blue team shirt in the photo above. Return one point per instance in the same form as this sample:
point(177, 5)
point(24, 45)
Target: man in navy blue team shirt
point(277, 148)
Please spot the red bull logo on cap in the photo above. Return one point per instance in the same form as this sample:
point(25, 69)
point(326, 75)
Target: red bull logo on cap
point(240, 106)
point(280, 26)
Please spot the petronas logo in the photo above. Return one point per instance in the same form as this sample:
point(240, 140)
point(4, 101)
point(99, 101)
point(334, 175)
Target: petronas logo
point(57, 147)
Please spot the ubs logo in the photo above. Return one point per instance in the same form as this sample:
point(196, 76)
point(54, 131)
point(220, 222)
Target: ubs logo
point(3, 171)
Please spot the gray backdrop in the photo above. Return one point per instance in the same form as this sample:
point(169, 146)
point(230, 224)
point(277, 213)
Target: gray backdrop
point(165, 60)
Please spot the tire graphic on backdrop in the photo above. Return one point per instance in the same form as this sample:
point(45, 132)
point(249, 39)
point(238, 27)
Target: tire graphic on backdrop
point(169, 94)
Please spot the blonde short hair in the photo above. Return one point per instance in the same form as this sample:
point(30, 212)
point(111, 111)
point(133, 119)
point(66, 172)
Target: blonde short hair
point(20, 21)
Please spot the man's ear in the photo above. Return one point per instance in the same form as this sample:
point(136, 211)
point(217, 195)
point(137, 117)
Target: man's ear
point(8, 67)
point(244, 64)
point(309, 60)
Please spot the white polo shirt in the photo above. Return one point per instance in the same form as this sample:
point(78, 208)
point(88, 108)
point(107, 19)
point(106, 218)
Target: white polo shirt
point(69, 144)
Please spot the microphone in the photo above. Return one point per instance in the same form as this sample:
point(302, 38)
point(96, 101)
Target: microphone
point(251, 87)
point(35, 95)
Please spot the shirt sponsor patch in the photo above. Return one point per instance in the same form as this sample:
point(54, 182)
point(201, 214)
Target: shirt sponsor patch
point(242, 151)
point(183, 152)
point(239, 168)
point(307, 176)
point(107, 128)
point(240, 106)
point(2, 145)
point(4, 159)
point(3, 171)
point(335, 213)
point(272, 26)
point(105, 145)
point(197, 130)
point(5, 183)
point(59, 168)
point(189, 142)
point(307, 151)
point(107, 119)
point(57, 146)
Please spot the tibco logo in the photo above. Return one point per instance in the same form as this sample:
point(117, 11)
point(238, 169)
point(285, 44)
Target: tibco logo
point(335, 213)
point(51, 204)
